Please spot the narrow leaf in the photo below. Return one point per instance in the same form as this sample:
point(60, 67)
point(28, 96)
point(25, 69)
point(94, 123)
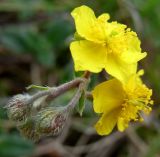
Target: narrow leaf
point(81, 105)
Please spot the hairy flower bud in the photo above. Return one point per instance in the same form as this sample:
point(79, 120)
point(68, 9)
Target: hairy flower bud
point(17, 110)
point(27, 129)
point(51, 120)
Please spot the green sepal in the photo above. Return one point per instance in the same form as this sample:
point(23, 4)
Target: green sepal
point(81, 105)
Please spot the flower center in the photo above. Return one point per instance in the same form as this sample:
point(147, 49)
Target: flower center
point(136, 101)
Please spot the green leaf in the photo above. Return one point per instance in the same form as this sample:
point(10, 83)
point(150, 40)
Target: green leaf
point(41, 49)
point(15, 146)
point(28, 40)
point(81, 105)
point(78, 73)
point(57, 32)
point(37, 87)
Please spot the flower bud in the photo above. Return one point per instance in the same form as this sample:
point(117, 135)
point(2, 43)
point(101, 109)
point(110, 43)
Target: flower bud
point(27, 129)
point(51, 120)
point(47, 122)
point(17, 110)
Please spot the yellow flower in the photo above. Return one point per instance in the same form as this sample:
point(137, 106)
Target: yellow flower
point(101, 44)
point(120, 104)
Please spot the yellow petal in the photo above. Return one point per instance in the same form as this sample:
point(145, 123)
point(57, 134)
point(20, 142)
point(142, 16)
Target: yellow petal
point(121, 124)
point(124, 43)
point(107, 122)
point(132, 53)
point(134, 81)
point(107, 96)
point(104, 17)
point(87, 25)
point(132, 57)
point(131, 84)
point(88, 56)
point(118, 68)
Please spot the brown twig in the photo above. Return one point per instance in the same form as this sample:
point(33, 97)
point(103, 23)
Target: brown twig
point(104, 142)
point(87, 74)
point(53, 147)
point(136, 141)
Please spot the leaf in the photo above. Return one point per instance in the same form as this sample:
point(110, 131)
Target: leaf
point(10, 38)
point(28, 40)
point(41, 49)
point(81, 105)
point(57, 32)
point(37, 87)
point(15, 146)
point(78, 73)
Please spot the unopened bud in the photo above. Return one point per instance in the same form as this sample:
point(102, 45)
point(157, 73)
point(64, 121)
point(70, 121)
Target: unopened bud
point(27, 129)
point(51, 120)
point(17, 110)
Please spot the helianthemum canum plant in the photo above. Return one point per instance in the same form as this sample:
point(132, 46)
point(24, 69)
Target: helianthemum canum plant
point(98, 44)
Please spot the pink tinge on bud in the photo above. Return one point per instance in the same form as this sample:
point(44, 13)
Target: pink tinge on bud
point(17, 109)
point(51, 120)
point(18, 100)
point(58, 123)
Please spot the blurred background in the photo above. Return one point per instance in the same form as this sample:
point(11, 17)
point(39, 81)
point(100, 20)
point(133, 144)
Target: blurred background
point(34, 49)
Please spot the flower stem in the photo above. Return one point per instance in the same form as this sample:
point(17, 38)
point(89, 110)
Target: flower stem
point(54, 92)
point(76, 97)
point(87, 74)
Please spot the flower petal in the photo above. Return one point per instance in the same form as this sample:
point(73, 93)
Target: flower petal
point(121, 124)
point(104, 17)
point(107, 122)
point(107, 96)
point(133, 82)
point(87, 25)
point(119, 69)
point(132, 53)
point(88, 56)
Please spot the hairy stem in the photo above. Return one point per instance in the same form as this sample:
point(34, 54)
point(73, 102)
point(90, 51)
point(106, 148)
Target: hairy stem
point(56, 91)
point(76, 97)
point(87, 74)
point(65, 87)
point(89, 95)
